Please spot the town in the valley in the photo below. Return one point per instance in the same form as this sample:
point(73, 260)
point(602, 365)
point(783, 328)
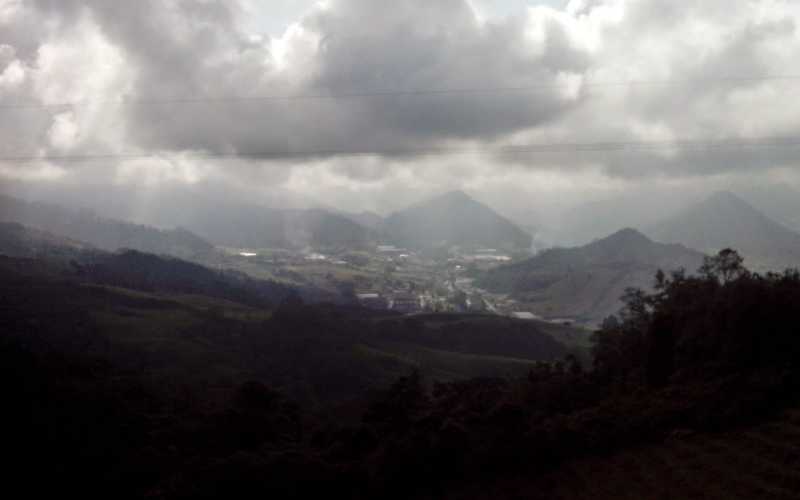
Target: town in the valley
point(391, 278)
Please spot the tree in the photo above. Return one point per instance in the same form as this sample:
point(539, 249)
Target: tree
point(660, 281)
point(637, 304)
point(724, 267)
point(660, 362)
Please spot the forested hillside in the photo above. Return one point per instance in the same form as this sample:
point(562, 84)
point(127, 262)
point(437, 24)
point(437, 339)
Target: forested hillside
point(184, 398)
point(586, 282)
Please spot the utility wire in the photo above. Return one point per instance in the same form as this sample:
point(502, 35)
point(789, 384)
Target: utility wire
point(390, 93)
point(560, 148)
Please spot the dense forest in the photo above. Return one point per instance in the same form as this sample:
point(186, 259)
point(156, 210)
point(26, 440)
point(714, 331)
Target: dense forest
point(103, 414)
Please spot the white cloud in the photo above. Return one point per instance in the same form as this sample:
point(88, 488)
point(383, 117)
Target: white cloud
point(691, 53)
point(12, 76)
point(63, 133)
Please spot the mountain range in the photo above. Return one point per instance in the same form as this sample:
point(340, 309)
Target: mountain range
point(454, 219)
point(725, 220)
point(586, 282)
point(19, 241)
point(243, 225)
point(778, 202)
point(99, 232)
point(143, 271)
point(262, 227)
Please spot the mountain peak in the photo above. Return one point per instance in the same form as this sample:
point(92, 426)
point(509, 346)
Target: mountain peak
point(724, 220)
point(456, 196)
point(628, 232)
point(627, 235)
point(587, 281)
point(727, 198)
point(454, 218)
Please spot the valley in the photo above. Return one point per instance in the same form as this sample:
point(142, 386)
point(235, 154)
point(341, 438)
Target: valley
point(400, 250)
point(229, 363)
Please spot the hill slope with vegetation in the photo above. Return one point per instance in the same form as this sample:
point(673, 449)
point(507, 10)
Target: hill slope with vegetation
point(143, 271)
point(143, 395)
point(586, 282)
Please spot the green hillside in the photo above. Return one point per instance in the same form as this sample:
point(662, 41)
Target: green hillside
point(193, 322)
point(173, 393)
point(586, 282)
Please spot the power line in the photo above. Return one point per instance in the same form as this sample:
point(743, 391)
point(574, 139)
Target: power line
point(393, 93)
point(544, 148)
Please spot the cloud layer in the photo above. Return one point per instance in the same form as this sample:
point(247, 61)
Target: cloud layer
point(189, 81)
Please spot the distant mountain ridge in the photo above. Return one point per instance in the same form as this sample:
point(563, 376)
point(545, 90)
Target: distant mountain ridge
point(221, 223)
point(780, 203)
point(454, 219)
point(370, 220)
point(105, 234)
point(726, 220)
point(144, 271)
point(19, 241)
point(244, 225)
point(586, 282)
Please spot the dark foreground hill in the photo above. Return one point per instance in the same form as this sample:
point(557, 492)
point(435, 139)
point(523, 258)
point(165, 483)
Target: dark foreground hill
point(726, 221)
point(454, 219)
point(229, 308)
point(753, 461)
point(587, 282)
point(116, 393)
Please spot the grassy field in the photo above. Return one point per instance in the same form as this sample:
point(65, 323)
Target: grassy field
point(216, 343)
point(575, 338)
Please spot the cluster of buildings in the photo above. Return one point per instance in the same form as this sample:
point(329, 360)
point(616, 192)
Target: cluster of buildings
point(401, 302)
point(392, 278)
point(483, 259)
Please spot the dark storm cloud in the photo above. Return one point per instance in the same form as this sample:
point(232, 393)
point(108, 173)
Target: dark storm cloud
point(355, 47)
point(156, 54)
point(440, 45)
point(195, 49)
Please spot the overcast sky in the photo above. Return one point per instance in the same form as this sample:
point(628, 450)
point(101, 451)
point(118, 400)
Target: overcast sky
point(157, 81)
